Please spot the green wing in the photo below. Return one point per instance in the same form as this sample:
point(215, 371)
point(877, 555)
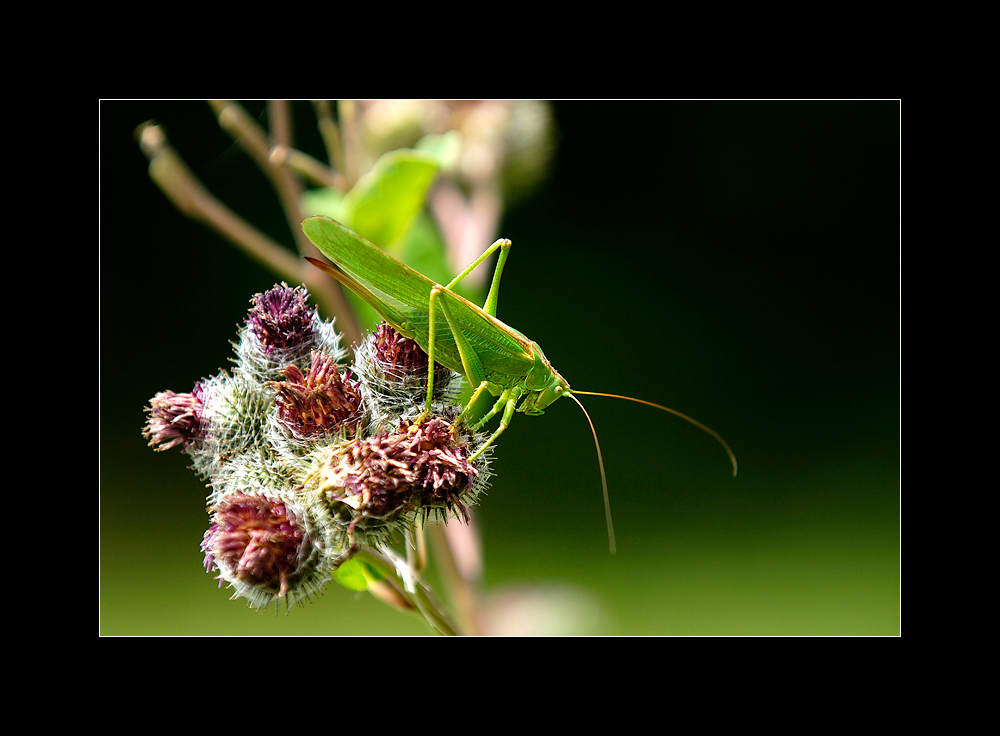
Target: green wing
point(401, 297)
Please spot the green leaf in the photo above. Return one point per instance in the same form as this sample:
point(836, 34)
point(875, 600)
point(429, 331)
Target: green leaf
point(445, 147)
point(355, 574)
point(325, 201)
point(351, 575)
point(383, 203)
point(423, 250)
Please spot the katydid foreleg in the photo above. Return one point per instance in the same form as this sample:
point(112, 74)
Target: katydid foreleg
point(472, 401)
point(508, 399)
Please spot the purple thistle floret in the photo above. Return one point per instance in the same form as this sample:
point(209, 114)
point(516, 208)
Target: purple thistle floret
point(398, 355)
point(175, 419)
point(417, 468)
point(280, 318)
point(400, 358)
point(319, 401)
point(256, 541)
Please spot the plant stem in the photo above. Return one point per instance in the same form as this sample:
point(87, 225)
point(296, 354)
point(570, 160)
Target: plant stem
point(169, 172)
point(245, 131)
point(330, 131)
point(414, 591)
point(305, 165)
point(461, 589)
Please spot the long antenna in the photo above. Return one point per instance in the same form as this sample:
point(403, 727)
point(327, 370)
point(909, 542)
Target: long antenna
point(604, 480)
point(685, 417)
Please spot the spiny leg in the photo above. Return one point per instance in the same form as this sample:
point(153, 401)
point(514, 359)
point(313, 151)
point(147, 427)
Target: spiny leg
point(472, 401)
point(470, 361)
point(471, 364)
point(431, 339)
point(491, 301)
point(490, 307)
point(500, 404)
point(509, 400)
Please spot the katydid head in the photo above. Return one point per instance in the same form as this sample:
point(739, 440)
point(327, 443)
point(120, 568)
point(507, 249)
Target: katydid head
point(543, 385)
point(536, 402)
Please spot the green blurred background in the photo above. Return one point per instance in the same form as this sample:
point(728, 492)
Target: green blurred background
point(738, 261)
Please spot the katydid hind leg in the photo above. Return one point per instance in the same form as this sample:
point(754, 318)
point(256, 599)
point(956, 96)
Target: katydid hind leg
point(472, 366)
point(471, 363)
point(490, 307)
point(504, 246)
point(431, 336)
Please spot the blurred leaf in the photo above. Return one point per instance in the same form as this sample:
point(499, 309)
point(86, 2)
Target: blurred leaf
point(423, 250)
point(383, 203)
point(445, 147)
point(325, 201)
point(356, 574)
point(351, 575)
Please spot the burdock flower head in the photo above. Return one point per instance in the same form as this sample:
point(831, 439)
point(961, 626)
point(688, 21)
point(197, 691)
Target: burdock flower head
point(376, 483)
point(175, 419)
point(281, 329)
point(306, 460)
point(269, 548)
point(318, 401)
point(398, 357)
point(280, 318)
point(394, 369)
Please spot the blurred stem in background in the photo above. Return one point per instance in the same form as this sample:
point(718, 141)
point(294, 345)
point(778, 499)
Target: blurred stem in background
point(426, 180)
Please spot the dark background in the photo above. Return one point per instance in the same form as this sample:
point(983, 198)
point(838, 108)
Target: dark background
point(738, 261)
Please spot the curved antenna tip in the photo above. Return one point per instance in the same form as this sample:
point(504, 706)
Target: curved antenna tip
point(685, 417)
point(604, 479)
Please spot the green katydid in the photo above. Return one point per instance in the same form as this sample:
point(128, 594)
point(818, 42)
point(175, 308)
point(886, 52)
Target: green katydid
point(472, 341)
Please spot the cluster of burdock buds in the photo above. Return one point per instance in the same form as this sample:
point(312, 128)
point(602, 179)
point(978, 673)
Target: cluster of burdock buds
point(308, 459)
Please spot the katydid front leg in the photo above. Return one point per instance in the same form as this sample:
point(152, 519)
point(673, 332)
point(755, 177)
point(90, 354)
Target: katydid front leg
point(508, 399)
point(472, 400)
